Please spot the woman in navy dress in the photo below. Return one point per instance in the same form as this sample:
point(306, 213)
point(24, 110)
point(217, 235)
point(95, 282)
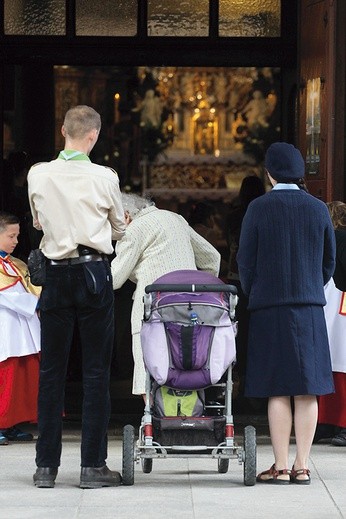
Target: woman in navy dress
point(286, 256)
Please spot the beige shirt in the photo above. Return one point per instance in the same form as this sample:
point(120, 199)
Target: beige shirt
point(75, 202)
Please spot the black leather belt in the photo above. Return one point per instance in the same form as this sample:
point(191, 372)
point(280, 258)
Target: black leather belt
point(77, 261)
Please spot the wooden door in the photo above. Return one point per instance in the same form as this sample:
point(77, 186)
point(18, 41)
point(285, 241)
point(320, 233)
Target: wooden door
point(321, 128)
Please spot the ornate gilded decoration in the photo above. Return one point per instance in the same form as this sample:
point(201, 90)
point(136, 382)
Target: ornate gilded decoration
point(199, 176)
point(215, 111)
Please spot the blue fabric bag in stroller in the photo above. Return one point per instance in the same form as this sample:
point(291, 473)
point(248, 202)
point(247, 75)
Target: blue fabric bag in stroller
point(188, 343)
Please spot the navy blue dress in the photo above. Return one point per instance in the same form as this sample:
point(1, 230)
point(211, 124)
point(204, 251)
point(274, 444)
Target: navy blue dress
point(288, 352)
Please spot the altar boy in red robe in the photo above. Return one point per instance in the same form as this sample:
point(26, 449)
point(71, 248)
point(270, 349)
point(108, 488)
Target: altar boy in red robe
point(19, 338)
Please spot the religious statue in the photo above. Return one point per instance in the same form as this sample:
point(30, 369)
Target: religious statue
point(220, 88)
point(151, 110)
point(256, 110)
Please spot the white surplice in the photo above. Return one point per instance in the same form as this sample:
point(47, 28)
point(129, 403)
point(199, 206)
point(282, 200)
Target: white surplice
point(19, 323)
point(336, 326)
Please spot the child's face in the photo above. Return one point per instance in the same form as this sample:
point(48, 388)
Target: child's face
point(9, 238)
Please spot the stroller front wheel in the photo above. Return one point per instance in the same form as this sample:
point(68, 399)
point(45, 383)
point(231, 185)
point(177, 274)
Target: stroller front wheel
point(147, 465)
point(249, 456)
point(222, 465)
point(128, 455)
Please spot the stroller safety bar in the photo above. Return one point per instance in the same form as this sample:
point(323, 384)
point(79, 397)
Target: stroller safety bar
point(191, 288)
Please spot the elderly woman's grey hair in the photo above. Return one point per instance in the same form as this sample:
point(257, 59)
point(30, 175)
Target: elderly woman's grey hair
point(134, 204)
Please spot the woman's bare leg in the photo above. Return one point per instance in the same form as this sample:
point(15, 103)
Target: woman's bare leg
point(280, 426)
point(305, 421)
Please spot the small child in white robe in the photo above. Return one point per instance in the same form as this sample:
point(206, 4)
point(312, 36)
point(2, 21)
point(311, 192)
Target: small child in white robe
point(19, 338)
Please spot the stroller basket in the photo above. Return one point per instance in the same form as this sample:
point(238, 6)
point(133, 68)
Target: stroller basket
point(204, 430)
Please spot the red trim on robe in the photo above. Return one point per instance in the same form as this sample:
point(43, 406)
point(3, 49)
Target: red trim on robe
point(342, 310)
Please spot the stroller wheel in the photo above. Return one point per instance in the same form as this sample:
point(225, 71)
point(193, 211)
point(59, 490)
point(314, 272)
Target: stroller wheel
point(147, 465)
point(222, 465)
point(128, 455)
point(249, 456)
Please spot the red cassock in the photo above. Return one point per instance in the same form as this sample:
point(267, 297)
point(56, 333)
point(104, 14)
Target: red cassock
point(18, 389)
point(332, 408)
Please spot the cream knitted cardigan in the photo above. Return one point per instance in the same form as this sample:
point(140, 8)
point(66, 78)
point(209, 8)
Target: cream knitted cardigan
point(157, 242)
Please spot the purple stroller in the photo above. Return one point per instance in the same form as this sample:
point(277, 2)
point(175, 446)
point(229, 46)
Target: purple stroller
point(188, 344)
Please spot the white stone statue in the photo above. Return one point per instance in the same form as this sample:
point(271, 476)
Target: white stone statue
point(151, 110)
point(256, 110)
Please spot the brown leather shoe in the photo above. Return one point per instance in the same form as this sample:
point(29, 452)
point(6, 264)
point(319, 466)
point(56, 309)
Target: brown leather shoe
point(97, 477)
point(44, 477)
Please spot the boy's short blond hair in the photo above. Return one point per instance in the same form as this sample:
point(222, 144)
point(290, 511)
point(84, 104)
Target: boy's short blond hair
point(80, 120)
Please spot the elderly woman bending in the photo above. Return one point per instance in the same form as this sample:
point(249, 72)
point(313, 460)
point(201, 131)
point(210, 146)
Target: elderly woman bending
point(156, 242)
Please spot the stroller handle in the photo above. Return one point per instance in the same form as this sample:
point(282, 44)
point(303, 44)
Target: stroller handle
point(191, 288)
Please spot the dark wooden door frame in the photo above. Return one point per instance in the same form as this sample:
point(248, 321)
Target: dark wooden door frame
point(142, 50)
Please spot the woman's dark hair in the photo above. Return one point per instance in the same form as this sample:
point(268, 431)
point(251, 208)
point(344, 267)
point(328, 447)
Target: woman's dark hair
point(302, 185)
point(200, 213)
point(251, 188)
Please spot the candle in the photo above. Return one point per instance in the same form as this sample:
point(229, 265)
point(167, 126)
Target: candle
point(116, 108)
